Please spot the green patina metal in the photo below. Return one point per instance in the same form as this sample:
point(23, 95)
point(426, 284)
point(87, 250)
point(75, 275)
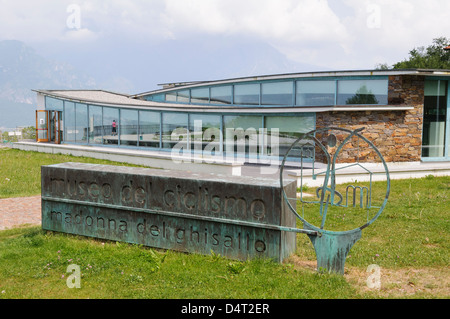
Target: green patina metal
point(332, 247)
point(235, 217)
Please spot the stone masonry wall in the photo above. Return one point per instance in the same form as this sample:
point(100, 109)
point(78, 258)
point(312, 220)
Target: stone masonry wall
point(396, 134)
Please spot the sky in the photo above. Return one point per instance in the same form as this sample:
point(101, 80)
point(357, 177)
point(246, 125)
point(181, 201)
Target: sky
point(315, 35)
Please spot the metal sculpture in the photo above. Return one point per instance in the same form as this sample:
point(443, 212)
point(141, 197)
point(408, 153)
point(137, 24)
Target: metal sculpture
point(332, 246)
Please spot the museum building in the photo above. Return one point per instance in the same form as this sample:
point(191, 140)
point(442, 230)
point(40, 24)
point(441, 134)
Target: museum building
point(405, 113)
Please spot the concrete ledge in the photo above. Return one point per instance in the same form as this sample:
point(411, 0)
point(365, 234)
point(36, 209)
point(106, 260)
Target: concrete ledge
point(164, 160)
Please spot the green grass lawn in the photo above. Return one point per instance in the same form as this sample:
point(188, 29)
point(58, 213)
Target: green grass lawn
point(20, 171)
point(409, 242)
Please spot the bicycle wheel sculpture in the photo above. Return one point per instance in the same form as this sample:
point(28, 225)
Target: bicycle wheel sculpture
point(336, 212)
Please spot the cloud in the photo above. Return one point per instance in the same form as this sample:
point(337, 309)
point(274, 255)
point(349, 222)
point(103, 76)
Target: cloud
point(402, 25)
point(334, 33)
point(287, 21)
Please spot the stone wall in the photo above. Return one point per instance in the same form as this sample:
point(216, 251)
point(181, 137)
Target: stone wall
point(396, 134)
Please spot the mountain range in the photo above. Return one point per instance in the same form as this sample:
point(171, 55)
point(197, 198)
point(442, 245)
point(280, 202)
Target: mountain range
point(124, 68)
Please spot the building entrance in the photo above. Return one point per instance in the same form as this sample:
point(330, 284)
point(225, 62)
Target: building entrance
point(49, 126)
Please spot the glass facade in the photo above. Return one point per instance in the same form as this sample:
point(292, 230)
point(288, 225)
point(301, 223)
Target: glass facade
point(200, 95)
point(221, 94)
point(69, 122)
point(277, 93)
point(129, 127)
point(209, 135)
point(81, 125)
point(205, 134)
point(175, 130)
point(246, 94)
point(315, 93)
point(306, 92)
point(95, 125)
point(183, 96)
point(242, 134)
point(149, 129)
point(251, 126)
point(435, 118)
point(287, 129)
point(53, 104)
point(362, 92)
point(110, 125)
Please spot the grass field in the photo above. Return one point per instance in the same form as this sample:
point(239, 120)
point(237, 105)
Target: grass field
point(409, 243)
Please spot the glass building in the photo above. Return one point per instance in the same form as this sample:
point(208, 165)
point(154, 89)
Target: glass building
point(242, 117)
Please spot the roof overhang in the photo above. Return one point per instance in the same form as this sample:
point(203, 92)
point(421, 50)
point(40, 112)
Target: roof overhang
point(123, 101)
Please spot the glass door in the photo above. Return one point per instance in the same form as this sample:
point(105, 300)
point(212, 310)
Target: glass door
point(42, 132)
point(435, 115)
point(49, 126)
point(56, 124)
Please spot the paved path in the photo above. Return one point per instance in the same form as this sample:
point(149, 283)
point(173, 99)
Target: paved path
point(19, 211)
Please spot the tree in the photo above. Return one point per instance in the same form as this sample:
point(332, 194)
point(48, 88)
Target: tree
point(29, 133)
point(362, 96)
point(432, 57)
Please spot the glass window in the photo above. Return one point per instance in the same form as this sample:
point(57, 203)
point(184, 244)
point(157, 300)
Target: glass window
point(174, 130)
point(315, 93)
point(200, 95)
point(128, 127)
point(241, 135)
point(246, 94)
point(53, 104)
point(362, 92)
point(183, 96)
point(110, 125)
point(81, 130)
point(283, 131)
point(434, 118)
point(221, 94)
point(155, 97)
point(277, 93)
point(69, 121)
point(95, 125)
point(205, 135)
point(149, 128)
point(171, 97)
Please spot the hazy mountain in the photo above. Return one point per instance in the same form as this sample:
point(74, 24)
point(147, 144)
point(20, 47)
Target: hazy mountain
point(21, 70)
point(129, 67)
point(126, 67)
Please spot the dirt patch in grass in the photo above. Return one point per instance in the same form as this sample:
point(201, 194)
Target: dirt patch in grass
point(405, 282)
point(394, 283)
point(302, 264)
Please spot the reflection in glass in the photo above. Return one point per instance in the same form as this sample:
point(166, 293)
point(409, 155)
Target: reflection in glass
point(205, 136)
point(149, 129)
point(283, 131)
point(128, 127)
point(434, 118)
point(174, 130)
point(315, 93)
point(246, 94)
point(183, 96)
point(53, 104)
point(81, 123)
point(171, 97)
point(221, 94)
point(69, 121)
point(276, 93)
point(110, 125)
point(362, 92)
point(95, 125)
point(42, 125)
point(200, 95)
point(241, 135)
